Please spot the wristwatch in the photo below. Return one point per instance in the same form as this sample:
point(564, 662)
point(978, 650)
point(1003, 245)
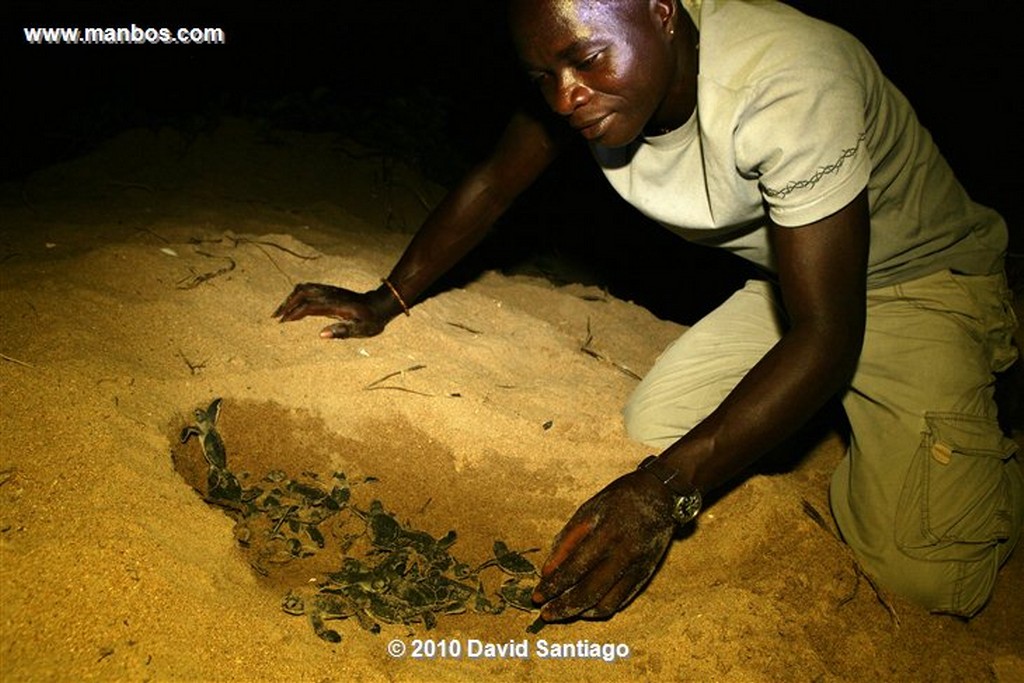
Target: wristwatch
point(687, 496)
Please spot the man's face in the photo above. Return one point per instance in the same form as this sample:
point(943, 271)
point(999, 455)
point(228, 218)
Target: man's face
point(604, 65)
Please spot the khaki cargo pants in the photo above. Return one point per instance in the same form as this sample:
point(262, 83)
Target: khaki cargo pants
point(930, 495)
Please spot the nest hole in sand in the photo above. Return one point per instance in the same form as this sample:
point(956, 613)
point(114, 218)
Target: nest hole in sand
point(317, 528)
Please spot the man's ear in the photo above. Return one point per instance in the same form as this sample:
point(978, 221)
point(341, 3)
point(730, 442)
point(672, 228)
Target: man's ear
point(664, 13)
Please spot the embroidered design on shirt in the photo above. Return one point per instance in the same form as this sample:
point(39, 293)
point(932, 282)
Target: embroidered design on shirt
point(821, 172)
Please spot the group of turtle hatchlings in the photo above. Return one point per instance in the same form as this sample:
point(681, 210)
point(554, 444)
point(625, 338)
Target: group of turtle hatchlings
point(401, 576)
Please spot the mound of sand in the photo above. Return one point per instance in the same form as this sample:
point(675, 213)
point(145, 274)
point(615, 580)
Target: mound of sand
point(137, 285)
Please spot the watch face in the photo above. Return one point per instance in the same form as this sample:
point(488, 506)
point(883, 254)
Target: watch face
point(687, 507)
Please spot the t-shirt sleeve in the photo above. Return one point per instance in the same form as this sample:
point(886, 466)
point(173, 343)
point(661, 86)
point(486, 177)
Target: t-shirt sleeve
point(802, 136)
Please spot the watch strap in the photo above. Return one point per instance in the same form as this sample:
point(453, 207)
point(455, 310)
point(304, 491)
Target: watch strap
point(669, 476)
point(688, 501)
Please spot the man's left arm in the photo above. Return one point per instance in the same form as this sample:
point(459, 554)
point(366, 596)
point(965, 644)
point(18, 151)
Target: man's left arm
point(822, 269)
point(611, 547)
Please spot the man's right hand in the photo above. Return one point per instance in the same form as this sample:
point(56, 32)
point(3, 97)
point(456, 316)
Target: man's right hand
point(359, 315)
point(452, 229)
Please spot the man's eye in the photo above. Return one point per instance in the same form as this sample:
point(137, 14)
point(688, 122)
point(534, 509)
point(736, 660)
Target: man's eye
point(588, 61)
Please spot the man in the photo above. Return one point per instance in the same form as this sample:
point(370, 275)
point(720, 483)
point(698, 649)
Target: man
point(750, 126)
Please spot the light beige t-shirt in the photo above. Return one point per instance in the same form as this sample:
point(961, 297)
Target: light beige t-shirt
point(793, 120)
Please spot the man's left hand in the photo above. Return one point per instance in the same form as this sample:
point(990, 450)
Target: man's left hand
point(608, 551)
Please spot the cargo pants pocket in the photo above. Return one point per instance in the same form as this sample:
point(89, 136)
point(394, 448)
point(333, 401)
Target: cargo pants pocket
point(956, 500)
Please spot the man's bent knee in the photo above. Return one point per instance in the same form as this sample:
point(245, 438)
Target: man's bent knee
point(950, 535)
point(650, 424)
point(946, 587)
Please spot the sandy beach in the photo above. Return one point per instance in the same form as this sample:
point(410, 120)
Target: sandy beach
point(137, 285)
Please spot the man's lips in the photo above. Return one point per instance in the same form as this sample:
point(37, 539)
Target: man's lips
point(579, 122)
point(591, 127)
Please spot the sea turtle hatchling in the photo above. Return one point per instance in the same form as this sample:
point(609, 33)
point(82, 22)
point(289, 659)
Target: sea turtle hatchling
point(319, 609)
point(206, 429)
point(510, 561)
point(222, 485)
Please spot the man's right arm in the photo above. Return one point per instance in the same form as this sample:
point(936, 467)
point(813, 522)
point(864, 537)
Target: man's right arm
point(460, 222)
point(526, 148)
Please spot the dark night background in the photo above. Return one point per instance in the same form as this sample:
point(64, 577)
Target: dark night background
point(432, 82)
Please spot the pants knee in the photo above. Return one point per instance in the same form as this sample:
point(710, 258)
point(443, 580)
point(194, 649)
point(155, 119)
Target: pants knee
point(647, 424)
point(938, 531)
point(948, 587)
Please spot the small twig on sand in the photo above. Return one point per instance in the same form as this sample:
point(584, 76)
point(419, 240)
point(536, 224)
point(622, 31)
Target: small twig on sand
point(9, 359)
point(396, 373)
point(235, 241)
point(467, 328)
point(816, 517)
point(376, 384)
point(585, 348)
point(880, 594)
point(859, 573)
point(260, 244)
point(266, 243)
point(407, 390)
point(196, 280)
point(193, 368)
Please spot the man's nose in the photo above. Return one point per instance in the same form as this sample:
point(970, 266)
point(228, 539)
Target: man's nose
point(570, 95)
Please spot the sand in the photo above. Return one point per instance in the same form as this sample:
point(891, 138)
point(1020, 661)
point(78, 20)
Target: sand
point(137, 285)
